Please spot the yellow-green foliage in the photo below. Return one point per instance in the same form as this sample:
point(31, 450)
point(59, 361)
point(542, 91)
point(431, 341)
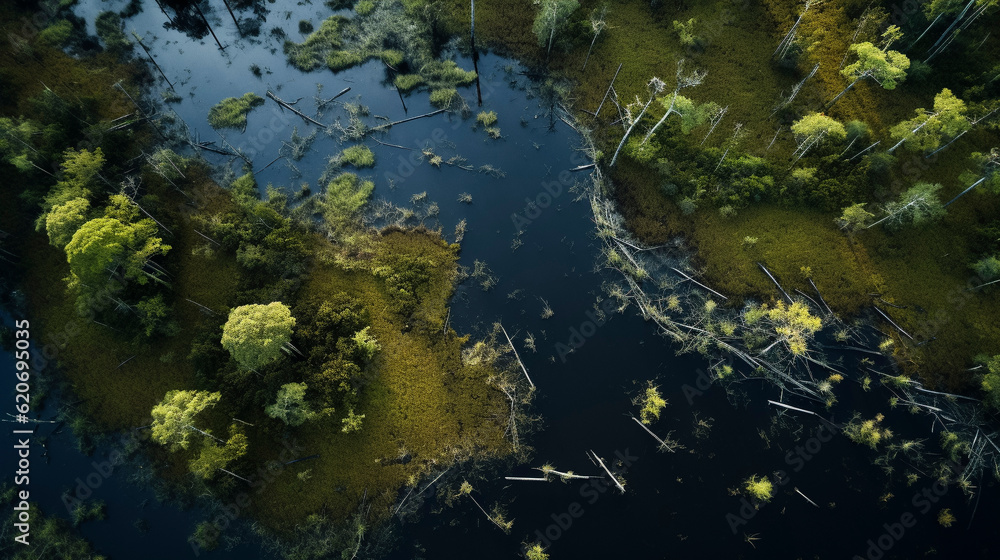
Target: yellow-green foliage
point(174, 417)
point(795, 324)
point(446, 74)
point(408, 402)
point(344, 198)
point(442, 98)
point(867, 432)
point(358, 156)
point(256, 334)
point(215, 456)
point(364, 7)
point(651, 403)
point(487, 118)
point(312, 52)
point(232, 112)
point(406, 82)
point(536, 552)
point(342, 60)
point(759, 488)
point(946, 518)
point(991, 383)
point(56, 34)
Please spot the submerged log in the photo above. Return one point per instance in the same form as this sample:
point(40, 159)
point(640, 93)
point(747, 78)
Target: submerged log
point(288, 106)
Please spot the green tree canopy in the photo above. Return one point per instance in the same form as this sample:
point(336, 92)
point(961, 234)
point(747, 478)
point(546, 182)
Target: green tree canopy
point(105, 246)
point(63, 221)
point(991, 383)
point(918, 205)
point(888, 68)
point(215, 456)
point(928, 128)
point(290, 406)
point(173, 417)
point(255, 334)
point(15, 142)
point(854, 217)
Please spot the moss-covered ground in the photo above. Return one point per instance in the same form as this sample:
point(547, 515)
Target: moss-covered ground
point(924, 272)
point(423, 407)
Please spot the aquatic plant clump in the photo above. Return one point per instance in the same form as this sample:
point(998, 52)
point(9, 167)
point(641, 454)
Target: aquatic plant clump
point(232, 112)
point(358, 156)
point(312, 53)
point(760, 488)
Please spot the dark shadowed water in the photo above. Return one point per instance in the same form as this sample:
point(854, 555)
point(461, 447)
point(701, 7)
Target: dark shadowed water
point(677, 505)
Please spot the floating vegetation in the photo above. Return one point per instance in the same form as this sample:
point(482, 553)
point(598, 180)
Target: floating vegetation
point(481, 272)
point(443, 98)
point(759, 488)
point(312, 53)
point(546, 309)
point(486, 118)
point(297, 146)
point(465, 198)
point(407, 82)
point(232, 112)
point(358, 156)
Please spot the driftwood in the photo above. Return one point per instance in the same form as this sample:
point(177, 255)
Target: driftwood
point(526, 478)
point(698, 283)
point(893, 323)
point(288, 106)
point(598, 111)
point(235, 475)
point(613, 479)
point(766, 271)
point(776, 403)
point(804, 496)
point(524, 369)
point(663, 444)
point(394, 123)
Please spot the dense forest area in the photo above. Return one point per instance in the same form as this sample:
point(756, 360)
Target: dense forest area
point(830, 165)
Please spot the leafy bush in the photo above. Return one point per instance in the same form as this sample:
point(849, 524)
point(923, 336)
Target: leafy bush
point(987, 268)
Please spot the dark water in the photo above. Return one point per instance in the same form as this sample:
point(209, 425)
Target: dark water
point(677, 504)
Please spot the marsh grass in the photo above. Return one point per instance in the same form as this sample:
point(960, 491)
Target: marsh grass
point(232, 112)
point(924, 270)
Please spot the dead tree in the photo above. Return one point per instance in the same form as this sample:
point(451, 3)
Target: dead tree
point(598, 24)
point(475, 53)
point(683, 81)
point(655, 86)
